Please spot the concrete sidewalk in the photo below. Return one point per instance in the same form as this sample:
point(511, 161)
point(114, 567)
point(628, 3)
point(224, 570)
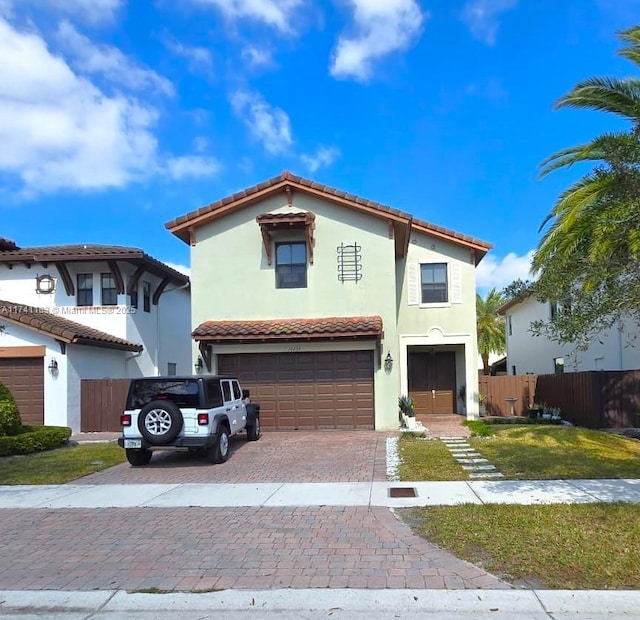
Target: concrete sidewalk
point(316, 604)
point(320, 494)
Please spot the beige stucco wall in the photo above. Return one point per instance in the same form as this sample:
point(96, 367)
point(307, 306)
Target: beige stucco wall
point(231, 279)
point(451, 324)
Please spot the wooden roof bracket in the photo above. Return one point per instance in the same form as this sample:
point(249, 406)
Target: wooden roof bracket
point(66, 279)
point(205, 354)
point(159, 291)
point(266, 240)
point(117, 276)
point(134, 279)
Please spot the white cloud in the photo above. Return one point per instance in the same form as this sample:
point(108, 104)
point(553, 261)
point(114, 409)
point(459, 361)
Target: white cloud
point(267, 123)
point(481, 16)
point(61, 132)
point(192, 166)
point(178, 267)
point(110, 62)
point(256, 57)
point(495, 273)
point(58, 130)
point(276, 13)
point(88, 11)
point(198, 57)
point(381, 27)
point(324, 157)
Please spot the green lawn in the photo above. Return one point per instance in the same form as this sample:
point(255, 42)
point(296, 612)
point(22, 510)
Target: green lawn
point(580, 546)
point(61, 465)
point(556, 452)
point(529, 452)
point(427, 460)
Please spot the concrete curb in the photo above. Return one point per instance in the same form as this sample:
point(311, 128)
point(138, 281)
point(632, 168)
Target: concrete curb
point(336, 603)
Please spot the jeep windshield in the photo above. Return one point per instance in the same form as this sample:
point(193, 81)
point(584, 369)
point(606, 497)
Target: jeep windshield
point(182, 392)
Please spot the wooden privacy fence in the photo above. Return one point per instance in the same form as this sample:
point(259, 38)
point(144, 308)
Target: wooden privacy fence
point(594, 399)
point(102, 402)
point(497, 390)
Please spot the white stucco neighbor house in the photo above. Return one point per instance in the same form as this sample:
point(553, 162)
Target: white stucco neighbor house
point(614, 349)
point(328, 306)
point(74, 312)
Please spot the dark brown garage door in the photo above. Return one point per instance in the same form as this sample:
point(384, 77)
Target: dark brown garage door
point(332, 389)
point(25, 378)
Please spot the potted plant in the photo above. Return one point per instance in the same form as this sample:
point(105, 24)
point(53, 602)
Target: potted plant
point(406, 407)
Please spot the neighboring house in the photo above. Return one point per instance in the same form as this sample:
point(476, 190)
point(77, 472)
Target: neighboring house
point(528, 354)
point(73, 312)
point(328, 307)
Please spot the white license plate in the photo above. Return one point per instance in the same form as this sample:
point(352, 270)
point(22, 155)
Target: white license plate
point(133, 443)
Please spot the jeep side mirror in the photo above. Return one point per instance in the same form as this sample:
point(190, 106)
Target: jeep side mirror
point(245, 393)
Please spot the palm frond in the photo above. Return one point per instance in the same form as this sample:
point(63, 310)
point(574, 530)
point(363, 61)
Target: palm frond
point(614, 95)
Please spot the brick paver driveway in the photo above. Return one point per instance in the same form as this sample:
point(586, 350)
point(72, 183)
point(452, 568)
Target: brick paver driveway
point(296, 456)
point(191, 549)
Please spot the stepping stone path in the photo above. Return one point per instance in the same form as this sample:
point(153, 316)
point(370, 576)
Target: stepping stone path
point(477, 466)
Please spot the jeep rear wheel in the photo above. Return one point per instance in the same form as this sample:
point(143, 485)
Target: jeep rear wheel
point(160, 422)
point(138, 457)
point(219, 451)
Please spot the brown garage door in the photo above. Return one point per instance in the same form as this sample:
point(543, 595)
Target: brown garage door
point(332, 389)
point(25, 378)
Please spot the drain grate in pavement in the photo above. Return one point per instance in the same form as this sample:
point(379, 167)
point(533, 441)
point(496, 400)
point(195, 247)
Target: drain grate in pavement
point(402, 492)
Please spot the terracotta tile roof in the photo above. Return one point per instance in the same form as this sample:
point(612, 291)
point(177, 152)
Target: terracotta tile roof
point(180, 226)
point(291, 329)
point(90, 252)
point(45, 321)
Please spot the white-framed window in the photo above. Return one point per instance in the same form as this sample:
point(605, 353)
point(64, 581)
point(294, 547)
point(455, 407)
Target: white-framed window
point(291, 264)
point(509, 325)
point(434, 283)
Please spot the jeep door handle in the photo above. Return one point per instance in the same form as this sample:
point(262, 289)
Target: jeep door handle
point(228, 409)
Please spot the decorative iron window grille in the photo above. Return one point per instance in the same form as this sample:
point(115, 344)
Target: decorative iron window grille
point(349, 262)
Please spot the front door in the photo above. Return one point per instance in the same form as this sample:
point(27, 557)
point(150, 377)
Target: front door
point(432, 381)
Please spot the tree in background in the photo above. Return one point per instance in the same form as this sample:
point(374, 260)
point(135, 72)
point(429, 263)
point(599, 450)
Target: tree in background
point(490, 326)
point(588, 258)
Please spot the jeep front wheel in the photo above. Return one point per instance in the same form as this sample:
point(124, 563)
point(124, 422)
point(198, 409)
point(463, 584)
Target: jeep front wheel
point(160, 422)
point(253, 431)
point(138, 457)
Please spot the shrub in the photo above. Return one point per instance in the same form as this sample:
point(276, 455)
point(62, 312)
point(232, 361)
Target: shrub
point(9, 416)
point(479, 428)
point(34, 439)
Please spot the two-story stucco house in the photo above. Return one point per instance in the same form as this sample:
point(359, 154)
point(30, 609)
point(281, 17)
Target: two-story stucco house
point(73, 312)
point(613, 349)
point(328, 307)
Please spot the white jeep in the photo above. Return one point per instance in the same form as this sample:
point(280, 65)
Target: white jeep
point(197, 413)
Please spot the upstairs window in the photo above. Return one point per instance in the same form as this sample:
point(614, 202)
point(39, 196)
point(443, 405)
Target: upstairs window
point(134, 297)
point(85, 289)
point(109, 291)
point(146, 296)
point(291, 265)
point(433, 277)
point(559, 308)
point(510, 326)
point(558, 365)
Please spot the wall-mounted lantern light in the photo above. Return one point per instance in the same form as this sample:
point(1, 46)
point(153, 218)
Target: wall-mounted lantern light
point(53, 366)
point(388, 363)
point(198, 365)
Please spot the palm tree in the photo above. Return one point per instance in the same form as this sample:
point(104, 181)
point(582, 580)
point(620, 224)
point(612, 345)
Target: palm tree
point(594, 237)
point(490, 326)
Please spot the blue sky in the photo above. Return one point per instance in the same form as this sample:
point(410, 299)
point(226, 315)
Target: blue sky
point(119, 115)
